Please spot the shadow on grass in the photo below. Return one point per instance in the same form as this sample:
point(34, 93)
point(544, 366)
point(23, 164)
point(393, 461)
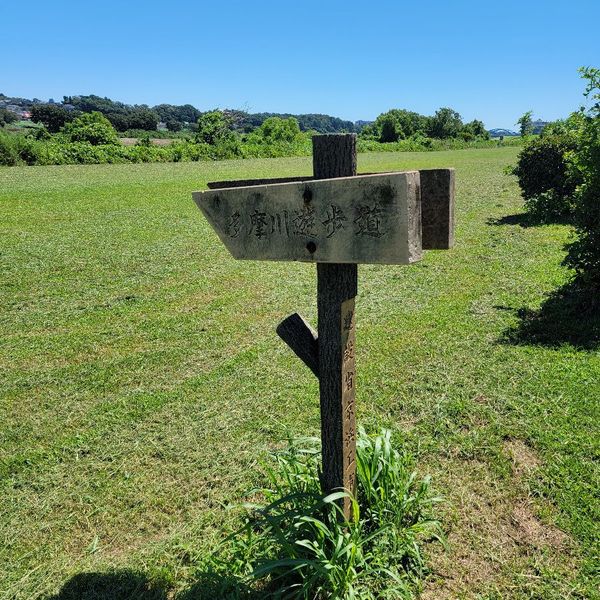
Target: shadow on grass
point(134, 585)
point(111, 585)
point(210, 586)
point(569, 315)
point(528, 220)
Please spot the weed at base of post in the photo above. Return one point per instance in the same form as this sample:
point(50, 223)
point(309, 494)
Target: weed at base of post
point(295, 544)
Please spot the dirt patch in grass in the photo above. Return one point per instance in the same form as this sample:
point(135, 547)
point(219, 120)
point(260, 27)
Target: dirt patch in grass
point(494, 535)
point(524, 459)
point(155, 141)
point(527, 529)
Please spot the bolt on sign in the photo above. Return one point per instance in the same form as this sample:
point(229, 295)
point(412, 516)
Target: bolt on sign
point(336, 219)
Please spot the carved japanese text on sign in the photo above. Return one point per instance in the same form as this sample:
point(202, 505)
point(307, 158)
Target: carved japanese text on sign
point(348, 393)
point(365, 219)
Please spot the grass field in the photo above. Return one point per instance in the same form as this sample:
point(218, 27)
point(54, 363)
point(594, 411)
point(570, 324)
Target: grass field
point(142, 381)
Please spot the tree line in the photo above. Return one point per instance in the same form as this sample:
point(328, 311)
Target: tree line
point(391, 126)
point(123, 117)
point(401, 124)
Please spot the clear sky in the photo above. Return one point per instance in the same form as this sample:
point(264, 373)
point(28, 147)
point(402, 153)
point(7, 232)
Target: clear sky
point(491, 60)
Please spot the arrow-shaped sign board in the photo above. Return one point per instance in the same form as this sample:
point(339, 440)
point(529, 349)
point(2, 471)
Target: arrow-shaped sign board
point(362, 219)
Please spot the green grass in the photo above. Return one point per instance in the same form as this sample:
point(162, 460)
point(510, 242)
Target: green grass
point(298, 544)
point(141, 381)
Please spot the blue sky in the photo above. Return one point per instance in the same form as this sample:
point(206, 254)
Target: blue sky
point(491, 60)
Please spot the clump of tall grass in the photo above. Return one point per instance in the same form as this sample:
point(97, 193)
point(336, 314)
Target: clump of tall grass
point(296, 544)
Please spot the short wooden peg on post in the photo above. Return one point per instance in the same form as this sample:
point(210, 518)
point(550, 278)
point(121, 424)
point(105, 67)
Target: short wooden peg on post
point(302, 339)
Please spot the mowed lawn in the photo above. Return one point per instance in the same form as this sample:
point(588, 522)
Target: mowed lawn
point(142, 383)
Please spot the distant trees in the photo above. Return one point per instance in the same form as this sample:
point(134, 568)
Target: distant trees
point(410, 123)
point(22, 103)
point(143, 118)
point(122, 116)
point(390, 130)
point(396, 124)
point(308, 122)
point(183, 114)
point(119, 121)
point(392, 126)
point(474, 129)
point(52, 116)
point(174, 126)
point(446, 123)
point(525, 123)
point(323, 123)
point(400, 124)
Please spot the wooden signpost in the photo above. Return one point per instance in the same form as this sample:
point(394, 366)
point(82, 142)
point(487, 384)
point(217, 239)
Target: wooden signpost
point(337, 220)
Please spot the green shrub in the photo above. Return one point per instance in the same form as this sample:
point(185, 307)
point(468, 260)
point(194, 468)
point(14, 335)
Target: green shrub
point(584, 253)
point(88, 140)
point(214, 126)
point(41, 134)
point(9, 150)
point(93, 128)
point(7, 117)
point(296, 543)
point(143, 153)
point(421, 143)
point(228, 147)
point(17, 149)
point(547, 176)
point(144, 140)
point(164, 135)
point(276, 129)
point(571, 126)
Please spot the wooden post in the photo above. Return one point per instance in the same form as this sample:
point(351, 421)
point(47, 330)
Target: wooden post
point(335, 156)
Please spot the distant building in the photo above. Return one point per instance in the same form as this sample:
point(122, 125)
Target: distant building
point(538, 126)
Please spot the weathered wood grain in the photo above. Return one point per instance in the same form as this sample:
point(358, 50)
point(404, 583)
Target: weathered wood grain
point(437, 202)
point(337, 285)
point(218, 185)
point(366, 219)
point(334, 155)
point(336, 290)
point(437, 207)
point(302, 339)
